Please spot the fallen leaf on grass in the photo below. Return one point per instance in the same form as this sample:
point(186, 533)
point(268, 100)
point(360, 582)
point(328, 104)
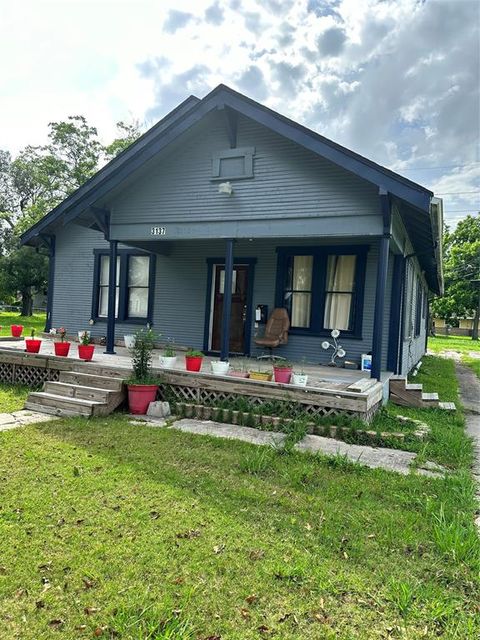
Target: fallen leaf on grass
point(251, 599)
point(56, 623)
point(89, 611)
point(256, 554)
point(219, 548)
point(39, 604)
point(264, 629)
point(245, 613)
point(154, 515)
point(88, 583)
point(193, 533)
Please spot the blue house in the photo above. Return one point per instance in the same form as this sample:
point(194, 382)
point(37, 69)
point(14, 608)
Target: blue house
point(225, 210)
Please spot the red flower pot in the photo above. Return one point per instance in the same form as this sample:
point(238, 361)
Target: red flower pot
point(33, 346)
point(85, 351)
point(140, 396)
point(16, 330)
point(193, 363)
point(282, 374)
point(61, 348)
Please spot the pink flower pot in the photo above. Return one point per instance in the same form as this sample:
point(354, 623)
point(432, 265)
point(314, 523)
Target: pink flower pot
point(140, 396)
point(282, 375)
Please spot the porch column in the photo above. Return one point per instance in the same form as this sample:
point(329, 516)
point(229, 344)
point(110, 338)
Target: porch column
point(227, 300)
point(51, 280)
point(381, 287)
point(112, 282)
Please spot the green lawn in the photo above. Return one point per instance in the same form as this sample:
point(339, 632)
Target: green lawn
point(7, 318)
point(463, 345)
point(115, 530)
point(12, 397)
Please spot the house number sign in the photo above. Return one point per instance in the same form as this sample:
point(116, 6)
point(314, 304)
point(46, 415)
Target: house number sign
point(158, 231)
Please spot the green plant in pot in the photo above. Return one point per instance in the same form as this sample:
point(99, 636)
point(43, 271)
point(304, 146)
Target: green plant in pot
point(142, 384)
point(85, 347)
point(32, 345)
point(300, 378)
point(193, 360)
point(282, 371)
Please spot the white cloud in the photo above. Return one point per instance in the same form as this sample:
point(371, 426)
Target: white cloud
point(396, 80)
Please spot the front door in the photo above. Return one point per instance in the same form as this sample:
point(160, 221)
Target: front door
point(239, 307)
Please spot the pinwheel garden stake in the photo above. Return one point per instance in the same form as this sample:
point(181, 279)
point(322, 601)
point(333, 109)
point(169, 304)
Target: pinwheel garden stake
point(338, 351)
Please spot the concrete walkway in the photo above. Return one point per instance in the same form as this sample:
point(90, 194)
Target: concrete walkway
point(470, 396)
point(22, 418)
point(381, 458)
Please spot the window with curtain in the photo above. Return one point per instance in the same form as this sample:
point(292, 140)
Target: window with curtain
point(340, 284)
point(322, 288)
point(298, 292)
point(103, 286)
point(134, 286)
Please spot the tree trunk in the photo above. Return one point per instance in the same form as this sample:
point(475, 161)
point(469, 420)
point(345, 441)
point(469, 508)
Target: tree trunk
point(27, 303)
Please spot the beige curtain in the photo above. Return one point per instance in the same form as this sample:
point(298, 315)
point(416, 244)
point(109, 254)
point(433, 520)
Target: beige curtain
point(301, 282)
point(103, 290)
point(138, 274)
point(340, 278)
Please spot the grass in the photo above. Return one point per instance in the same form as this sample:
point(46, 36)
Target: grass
point(463, 345)
point(7, 318)
point(116, 530)
point(12, 397)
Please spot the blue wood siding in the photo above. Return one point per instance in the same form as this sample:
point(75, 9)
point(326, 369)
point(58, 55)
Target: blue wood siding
point(180, 290)
point(290, 184)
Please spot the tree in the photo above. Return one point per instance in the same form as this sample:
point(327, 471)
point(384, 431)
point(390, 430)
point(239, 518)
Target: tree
point(36, 181)
point(461, 266)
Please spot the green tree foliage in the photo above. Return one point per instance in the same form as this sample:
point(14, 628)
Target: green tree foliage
point(461, 266)
point(37, 180)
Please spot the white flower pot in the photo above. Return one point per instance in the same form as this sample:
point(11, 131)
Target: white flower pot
point(299, 379)
point(167, 362)
point(129, 341)
point(220, 368)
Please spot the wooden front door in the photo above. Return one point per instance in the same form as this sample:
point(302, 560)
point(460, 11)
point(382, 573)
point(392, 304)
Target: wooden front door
point(239, 307)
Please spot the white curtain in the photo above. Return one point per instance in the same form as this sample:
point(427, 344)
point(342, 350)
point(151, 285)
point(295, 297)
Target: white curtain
point(302, 287)
point(340, 282)
point(103, 289)
point(138, 276)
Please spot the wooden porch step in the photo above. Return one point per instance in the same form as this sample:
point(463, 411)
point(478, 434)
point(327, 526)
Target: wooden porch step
point(447, 406)
point(91, 380)
point(76, 406)
point(78, 391)
point(362, 385)
point(430, 398)
point(54, 411)
point(414, 387)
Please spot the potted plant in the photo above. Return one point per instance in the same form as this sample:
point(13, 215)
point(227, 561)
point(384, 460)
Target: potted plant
point(85, 348)
point(129, 340)
point(219, 367)
point(80, 334)
point(238, 370)
point(16, 330)
point(282, 371)
point(259, 374)
point(169, 357)
point(193, 360)
point(32, 345)
point(142, 384)
point(300, 379)
point(63, 347)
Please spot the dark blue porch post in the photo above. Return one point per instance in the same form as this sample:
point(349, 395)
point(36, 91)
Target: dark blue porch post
point(227, 301)
point(381, 288)
point(112, 286)
point(51, 279)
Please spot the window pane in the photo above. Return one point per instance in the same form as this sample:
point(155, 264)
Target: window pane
point(221, 284)
point(300, 309)
point(340, 273)
point(137, 302)
point(138, 269)
point(104, 270)
point(337, 311)
point(103, 302)
point(302, 273)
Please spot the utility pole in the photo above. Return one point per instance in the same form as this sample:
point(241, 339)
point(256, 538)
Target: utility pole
point(476, 319)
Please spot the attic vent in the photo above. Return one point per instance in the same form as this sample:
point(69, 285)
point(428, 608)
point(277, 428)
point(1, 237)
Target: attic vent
point(233, 164)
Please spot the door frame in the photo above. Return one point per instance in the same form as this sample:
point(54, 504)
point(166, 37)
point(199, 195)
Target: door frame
point(211, 263)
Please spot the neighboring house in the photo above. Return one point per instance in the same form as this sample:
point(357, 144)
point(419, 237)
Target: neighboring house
point(465, 327)
point(224, 184)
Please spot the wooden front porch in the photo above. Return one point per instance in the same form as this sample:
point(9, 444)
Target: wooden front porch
point(329, 391)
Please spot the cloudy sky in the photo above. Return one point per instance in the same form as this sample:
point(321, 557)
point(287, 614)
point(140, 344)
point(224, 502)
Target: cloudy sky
point(395, 80)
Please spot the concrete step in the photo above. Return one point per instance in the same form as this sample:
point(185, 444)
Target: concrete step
point(447, 406)
point(76, 391)
point(77, 406)
point(91, 380)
